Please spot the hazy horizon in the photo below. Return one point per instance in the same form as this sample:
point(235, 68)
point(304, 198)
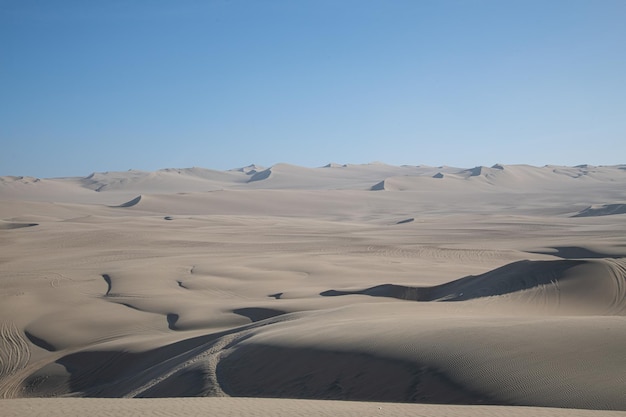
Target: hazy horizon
point(333, 163)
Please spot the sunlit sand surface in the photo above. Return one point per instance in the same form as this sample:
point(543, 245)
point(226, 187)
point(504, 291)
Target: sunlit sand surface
point(398, 290)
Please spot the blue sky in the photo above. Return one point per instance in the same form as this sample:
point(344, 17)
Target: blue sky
point(147, 84)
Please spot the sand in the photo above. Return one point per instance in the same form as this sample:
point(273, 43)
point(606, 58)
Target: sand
point(344, 290)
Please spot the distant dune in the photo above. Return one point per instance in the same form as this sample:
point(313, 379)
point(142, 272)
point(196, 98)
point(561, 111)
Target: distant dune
point(602, 210)
point(341, 290)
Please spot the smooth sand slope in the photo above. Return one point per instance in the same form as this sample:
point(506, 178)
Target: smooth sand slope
point(466, 289)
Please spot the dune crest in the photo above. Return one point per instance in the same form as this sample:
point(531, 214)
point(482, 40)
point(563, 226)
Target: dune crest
point(585, 284)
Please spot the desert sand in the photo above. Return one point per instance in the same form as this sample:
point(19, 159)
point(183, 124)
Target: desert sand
point(340, 290)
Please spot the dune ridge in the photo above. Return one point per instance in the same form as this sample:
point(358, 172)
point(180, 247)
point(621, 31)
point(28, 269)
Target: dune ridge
point(598, 284)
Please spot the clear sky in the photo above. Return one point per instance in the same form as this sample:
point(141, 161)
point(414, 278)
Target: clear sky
point(89, 85)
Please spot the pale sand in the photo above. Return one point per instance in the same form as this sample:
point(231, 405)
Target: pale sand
point(502, 286)
point(262, 407)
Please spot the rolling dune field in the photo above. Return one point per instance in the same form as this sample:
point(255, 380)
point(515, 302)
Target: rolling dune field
point(342, 290)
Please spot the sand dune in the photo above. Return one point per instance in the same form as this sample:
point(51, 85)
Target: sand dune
point(602, 210)
point(484, 290)
point(184, 180)
point(585, 284)
point(412, 357)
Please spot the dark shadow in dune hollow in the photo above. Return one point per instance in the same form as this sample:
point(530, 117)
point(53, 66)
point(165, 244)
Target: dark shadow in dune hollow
point(39, 342)
point(9, 226)
point(258, 313)
point(309, 373)
point(172, 318)
point(115, 373)
point(107, 279)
